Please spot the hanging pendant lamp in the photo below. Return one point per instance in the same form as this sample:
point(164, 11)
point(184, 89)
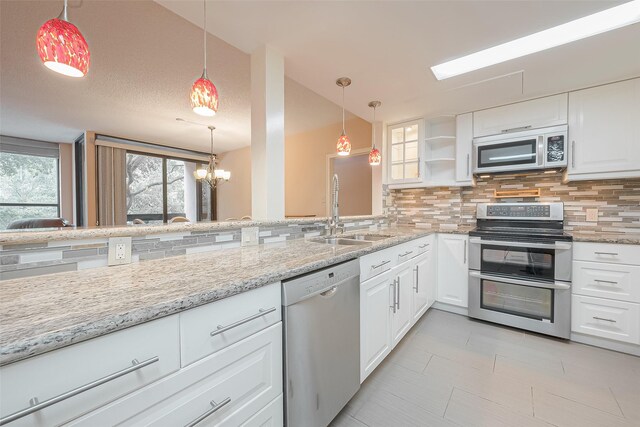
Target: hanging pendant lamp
point(211, 174)
point(344, 144)
point(204, 95)
point(374, 155)
point(61, 46)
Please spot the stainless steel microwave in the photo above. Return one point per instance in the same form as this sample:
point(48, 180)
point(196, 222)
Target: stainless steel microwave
point(542, 148)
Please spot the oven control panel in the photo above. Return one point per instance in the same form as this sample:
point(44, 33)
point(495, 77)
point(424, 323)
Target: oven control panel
point(523, 210)
point(553, 211)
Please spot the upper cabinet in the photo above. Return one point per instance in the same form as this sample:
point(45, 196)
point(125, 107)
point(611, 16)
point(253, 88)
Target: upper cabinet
point(404, 152)
point(536, 113)
point(604, 131)
point(464, 145)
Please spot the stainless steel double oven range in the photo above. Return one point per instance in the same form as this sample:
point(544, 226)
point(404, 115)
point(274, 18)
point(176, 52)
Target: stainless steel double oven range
point(520, 267)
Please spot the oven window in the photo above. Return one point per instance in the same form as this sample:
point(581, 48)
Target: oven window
point(530, 263)
point(509, 153)
point(523, 301)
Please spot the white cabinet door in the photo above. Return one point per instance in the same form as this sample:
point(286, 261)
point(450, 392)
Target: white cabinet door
point(453, 269)
point(402, 318)
point(464, 145)
point(375, 322)
point(604, 130)
point(536, 113)
point(404, 142)
point(423, 295)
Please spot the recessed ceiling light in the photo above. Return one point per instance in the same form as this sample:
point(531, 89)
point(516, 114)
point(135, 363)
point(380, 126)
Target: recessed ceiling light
point(607, 20)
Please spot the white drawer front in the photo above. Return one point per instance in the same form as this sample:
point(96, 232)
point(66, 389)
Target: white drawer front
point(376, 263)
point(239, 316)
point(248, 374)
point(420, 246)
point(405, 252)
point(271, 415)
point(607, 252)
point(616, 281)
point(615, 320)
point(60, 371)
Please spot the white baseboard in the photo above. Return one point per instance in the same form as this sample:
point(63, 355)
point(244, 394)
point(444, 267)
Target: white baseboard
point(622, 347)
point(451, 308)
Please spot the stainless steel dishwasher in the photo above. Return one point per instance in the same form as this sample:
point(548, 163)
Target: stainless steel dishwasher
point(322, 343)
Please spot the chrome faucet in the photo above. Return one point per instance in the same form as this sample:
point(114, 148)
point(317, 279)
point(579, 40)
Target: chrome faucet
point(335, 217)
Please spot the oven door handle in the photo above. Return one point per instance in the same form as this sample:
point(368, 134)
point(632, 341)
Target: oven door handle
point(559, 286)
point(555, 246)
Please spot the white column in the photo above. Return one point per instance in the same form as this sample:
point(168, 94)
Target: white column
point(267, 134)
point(377, 171)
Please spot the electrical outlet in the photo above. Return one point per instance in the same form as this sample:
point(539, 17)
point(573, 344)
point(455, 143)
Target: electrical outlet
point(250, 236)
point(119, 250)
point(592, 215)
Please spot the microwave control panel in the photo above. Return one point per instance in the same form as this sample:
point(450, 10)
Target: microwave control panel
point(521, 210)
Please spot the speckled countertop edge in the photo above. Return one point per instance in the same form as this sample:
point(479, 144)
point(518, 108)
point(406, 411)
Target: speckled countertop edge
point(598, 237)
point(16, 343)
point(71, 233)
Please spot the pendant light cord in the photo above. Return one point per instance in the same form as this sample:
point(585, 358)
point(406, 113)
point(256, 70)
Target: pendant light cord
point(374, 127)
point(205, 40)
point(343, 132)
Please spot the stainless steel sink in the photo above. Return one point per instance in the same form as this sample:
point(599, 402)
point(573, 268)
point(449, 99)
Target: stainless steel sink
point(370, 237)
point(330, 240)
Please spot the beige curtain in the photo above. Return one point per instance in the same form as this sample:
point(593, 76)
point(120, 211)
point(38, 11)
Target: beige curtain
point(112, 186)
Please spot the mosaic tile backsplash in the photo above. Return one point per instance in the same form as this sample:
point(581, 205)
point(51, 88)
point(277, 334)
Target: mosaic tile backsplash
point(617, 201)
point(34, 259)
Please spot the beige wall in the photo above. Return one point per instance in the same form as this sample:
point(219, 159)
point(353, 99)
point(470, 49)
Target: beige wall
point(234, 196)
point(354, 173)
point(306, 165)
point(66, 182)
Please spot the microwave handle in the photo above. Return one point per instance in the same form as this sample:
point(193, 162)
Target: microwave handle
point(540, 149)
point(559, 286)
point(556, 245)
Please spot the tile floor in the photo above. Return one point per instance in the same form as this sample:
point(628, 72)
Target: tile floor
point(450, 370)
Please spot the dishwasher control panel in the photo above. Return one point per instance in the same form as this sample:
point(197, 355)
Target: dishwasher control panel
point(309, 284)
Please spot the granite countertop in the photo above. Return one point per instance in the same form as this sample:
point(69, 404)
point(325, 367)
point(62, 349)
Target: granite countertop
point(43, 313)
point(620, 238)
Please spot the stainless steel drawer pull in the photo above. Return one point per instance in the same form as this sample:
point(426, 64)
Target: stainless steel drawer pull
point(36, 406)
point(260, 313)
point(423, 246)
point(606, 253)
point(406, 253)
point(383, 263)
point(611, 282)
point(606, 320)
point(213, 410)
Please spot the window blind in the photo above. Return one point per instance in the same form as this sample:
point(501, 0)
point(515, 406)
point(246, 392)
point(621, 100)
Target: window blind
point(145, 147)
point(10, 144)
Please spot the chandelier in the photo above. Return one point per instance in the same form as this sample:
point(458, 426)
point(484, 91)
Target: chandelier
point(211, 174)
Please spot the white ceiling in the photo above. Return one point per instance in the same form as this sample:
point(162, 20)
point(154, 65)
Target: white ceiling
point(388, 47)
point(145, 58)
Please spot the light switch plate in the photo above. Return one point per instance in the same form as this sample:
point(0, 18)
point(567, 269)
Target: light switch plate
point(250, 236)
point(119, 250)
point(592, 215)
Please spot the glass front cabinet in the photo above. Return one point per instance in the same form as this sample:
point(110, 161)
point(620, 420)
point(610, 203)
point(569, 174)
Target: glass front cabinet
point(404, 152)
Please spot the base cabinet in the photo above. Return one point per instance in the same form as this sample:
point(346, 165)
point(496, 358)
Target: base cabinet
point(402, 315)
point(453, 269)
point(424, 285)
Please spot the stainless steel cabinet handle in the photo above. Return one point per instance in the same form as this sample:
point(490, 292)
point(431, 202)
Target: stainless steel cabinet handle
point(560, 286)
point(59, 398)
point(611, 282)
point(556, 245)
point(423, 246)
point(214, 409)
point(406, 253)
point(468, 164)
point(417, 286)
point(515, 129)
point(606, 253)
point(393, 306)
point(606, 320)
point(573, 154)
point(465, 251)
point(398, 290)
point(373, 267)
point(260, 313)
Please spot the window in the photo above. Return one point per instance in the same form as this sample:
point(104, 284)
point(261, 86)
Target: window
point(29, 180)
point(161, 188)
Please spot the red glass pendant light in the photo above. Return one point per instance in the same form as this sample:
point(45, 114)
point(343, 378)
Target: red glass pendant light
point(343, 147)
point(374, 155)
point(204, 95)
point(62, 48)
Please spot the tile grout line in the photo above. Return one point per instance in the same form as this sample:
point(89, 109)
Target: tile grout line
point(617, 403)
point(533, 405)
point(495, 357)
point(586, 405)
point(444, 414)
